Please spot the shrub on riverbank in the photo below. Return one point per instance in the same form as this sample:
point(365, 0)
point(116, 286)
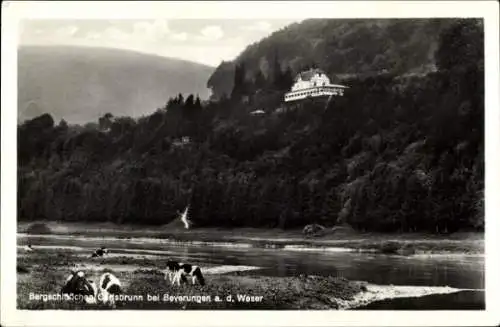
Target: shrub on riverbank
point(390, 247)
point(38, 228)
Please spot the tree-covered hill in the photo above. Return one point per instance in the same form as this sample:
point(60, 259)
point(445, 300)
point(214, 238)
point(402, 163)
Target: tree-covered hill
point(396, 153)
point(340, 47)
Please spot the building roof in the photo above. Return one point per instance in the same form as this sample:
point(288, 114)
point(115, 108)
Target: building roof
point(308, 74)
point(257, 112)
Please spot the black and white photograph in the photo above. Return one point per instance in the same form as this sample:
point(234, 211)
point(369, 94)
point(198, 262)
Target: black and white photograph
point(250, 163)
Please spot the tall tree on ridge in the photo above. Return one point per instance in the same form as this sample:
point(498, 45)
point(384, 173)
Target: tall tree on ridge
point(277, 74)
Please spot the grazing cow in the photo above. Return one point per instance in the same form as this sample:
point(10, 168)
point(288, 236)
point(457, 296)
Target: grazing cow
point(172, 268)
point(189, 270)
point(78, 285)
point(109, 287)
point(100, 252)
point(29, 248)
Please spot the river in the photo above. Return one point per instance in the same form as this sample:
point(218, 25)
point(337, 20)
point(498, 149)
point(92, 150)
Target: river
point(457, 271)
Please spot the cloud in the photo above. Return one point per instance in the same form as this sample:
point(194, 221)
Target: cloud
point(212, 32)
point(261, 26)
point(236, 41)
point(93, 36)
point(115, 33)
point(142, 31)
point(208, 44)
point(66, 31)
point(180, 36)
point(154, 30)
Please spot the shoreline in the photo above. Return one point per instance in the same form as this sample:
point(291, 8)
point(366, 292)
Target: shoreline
point(266, 293)
point(293, 240)
point(43, 272)
point(344, 246)
point(375, 293)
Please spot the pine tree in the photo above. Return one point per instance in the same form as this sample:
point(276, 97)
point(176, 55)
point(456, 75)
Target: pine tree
point(189, 103)
point(287, 79)
point(259, 80)
point(197, 103)
point(63, 125)
point(180, 99)
point(277, 74)
point(239, 81)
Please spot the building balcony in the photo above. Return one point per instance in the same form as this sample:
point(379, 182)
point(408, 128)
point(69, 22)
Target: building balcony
point(318, 91)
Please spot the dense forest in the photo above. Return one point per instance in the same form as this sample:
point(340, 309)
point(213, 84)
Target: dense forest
point(342, 47)
point(397, 153)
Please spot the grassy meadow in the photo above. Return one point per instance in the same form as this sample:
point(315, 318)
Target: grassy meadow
point(44, 272)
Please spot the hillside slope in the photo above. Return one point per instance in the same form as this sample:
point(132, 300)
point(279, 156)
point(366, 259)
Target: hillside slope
point(395, 154)
point(80, 84)
point(340, 46)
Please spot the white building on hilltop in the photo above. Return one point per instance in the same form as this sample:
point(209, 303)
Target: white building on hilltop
point(313, 83)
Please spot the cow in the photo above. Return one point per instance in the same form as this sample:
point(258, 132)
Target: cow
point(78, 285)
point(100, 252)
point(186, 269)
point(109, 287)
point(172, 268)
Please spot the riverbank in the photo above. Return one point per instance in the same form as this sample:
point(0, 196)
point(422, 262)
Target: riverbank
point(405, 244)
point(44, 272)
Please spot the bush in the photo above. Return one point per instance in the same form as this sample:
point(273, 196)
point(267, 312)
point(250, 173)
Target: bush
point(389, 247)
point(343, 230)
point(21, 269)
point(407, 249)
point(38, 228)
point(313, 230)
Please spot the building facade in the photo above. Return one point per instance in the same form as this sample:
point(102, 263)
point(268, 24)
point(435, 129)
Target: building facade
point(313, 83)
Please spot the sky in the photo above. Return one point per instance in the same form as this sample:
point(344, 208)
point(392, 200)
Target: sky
point(206, 41)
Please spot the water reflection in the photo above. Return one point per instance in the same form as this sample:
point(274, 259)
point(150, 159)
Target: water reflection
point(378, 269)
point(459, 272)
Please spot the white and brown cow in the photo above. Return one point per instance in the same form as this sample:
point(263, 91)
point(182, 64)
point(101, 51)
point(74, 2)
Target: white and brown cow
point(187, 270)
point(109, 287)
point(172, 268)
